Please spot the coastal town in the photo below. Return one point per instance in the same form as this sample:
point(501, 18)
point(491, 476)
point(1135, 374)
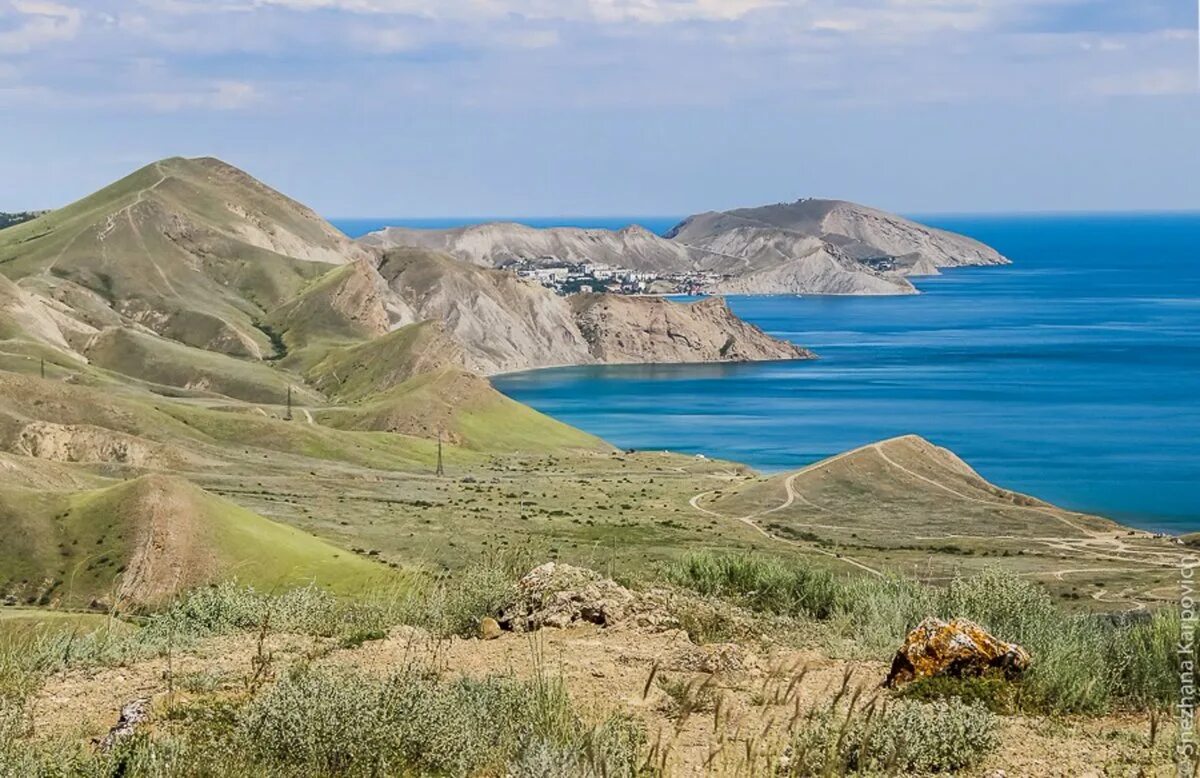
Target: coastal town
point(567, 278)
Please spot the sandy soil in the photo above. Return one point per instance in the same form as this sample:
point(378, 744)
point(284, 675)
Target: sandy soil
point(606, 670)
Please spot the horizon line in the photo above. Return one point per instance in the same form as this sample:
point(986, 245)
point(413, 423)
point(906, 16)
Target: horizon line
point(907, 214)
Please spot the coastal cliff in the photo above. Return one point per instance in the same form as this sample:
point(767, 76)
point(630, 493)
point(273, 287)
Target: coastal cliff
point(824, 247)
point(621, 330)
point(505, 323)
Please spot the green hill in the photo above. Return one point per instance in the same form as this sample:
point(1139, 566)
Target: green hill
point(150, 358)
point(466, 410)
point(140, 542)
point(194, 249)
point(349, 303)
point(355, 372)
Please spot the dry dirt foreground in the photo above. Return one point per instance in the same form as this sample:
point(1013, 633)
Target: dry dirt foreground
point(607, 670)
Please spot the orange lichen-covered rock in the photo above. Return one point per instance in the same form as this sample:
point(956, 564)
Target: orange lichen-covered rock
point(954, 648)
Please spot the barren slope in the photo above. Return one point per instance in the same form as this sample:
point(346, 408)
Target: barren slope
point(495, 244)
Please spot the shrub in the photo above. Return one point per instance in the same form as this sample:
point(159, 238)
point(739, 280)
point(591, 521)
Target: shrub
point(1003, 603)
point(454, 606)
point(874, 614)
point(1081, 663)
point(993, 692)
point(943, 736)
point(1148, 660)
point(764, 584)
point(320, 722)
point(342, 722)
point(906, 738)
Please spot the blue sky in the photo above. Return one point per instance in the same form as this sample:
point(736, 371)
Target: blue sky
point(597, 107)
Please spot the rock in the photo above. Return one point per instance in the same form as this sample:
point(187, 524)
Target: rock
point(557, 595)
point(489, 628)
point(956, 648)
point(133, 715)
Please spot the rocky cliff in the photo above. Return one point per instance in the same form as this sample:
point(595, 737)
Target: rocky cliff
point(861, 234)
point(191, 274)
point(496, 244)
point(621, 330)
point(805, 247)
point(504, 323)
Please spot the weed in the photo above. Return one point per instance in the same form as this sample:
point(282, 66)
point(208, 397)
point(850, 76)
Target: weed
point(759, 583)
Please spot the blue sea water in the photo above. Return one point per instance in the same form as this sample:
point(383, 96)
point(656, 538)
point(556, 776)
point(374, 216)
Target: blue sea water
point(1073, 374)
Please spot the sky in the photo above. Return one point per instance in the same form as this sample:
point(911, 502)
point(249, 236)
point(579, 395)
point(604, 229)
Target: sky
point(419, 108)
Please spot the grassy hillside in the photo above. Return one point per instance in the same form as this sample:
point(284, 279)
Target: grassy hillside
point(200, 296)
point(467, 410)
point(192, 248)
point(91, 425)
point(345, 304)
point(354, 372)
point(142, 541)
point(157, 360)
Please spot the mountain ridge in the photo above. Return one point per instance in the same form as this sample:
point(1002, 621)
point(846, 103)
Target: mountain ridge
point(809, 246)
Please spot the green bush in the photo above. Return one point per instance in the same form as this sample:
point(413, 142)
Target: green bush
point(905, 738)
point(1081, 663)
point(1148, 660)
point(329, 722)
point(455, 606)
point(1004, 603)
point(993, 692)
point(764, 584)
point(322, 723)
point(875, 613)
point(943, 736)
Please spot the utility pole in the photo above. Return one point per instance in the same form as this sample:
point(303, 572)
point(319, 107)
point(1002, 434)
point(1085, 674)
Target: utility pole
point(289, 404)
point(43, 368)
point(440, 470)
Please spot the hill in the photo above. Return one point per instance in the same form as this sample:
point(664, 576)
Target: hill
point(203, 256)
point(350, 303)
point(466, 411)
point(354, 372)
point(147, 357)
point(141, 542)
point(383, 353)
point(634, 330)
point(505, 323)
point(194, 249)
point(796, 239)
point(498, 244)
point(904, 502)
point(806, 247)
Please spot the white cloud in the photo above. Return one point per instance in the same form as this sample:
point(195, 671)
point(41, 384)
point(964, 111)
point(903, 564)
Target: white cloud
point(605, 11)
point(667, 11)
point(217, 96)
point(222, 55)
point(38, 23)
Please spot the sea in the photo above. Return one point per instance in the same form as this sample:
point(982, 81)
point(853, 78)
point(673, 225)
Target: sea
point(1072, 374)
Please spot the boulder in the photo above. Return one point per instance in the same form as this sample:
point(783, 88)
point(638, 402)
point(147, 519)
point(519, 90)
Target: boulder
point(557, 595)
point(954, 648)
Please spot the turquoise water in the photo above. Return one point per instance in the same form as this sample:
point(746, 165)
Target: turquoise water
point(1073, 374)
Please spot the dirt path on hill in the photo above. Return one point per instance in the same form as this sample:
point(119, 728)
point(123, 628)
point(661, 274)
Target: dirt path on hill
point(1095, 543)
point(990, 503)
point(789, 487)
